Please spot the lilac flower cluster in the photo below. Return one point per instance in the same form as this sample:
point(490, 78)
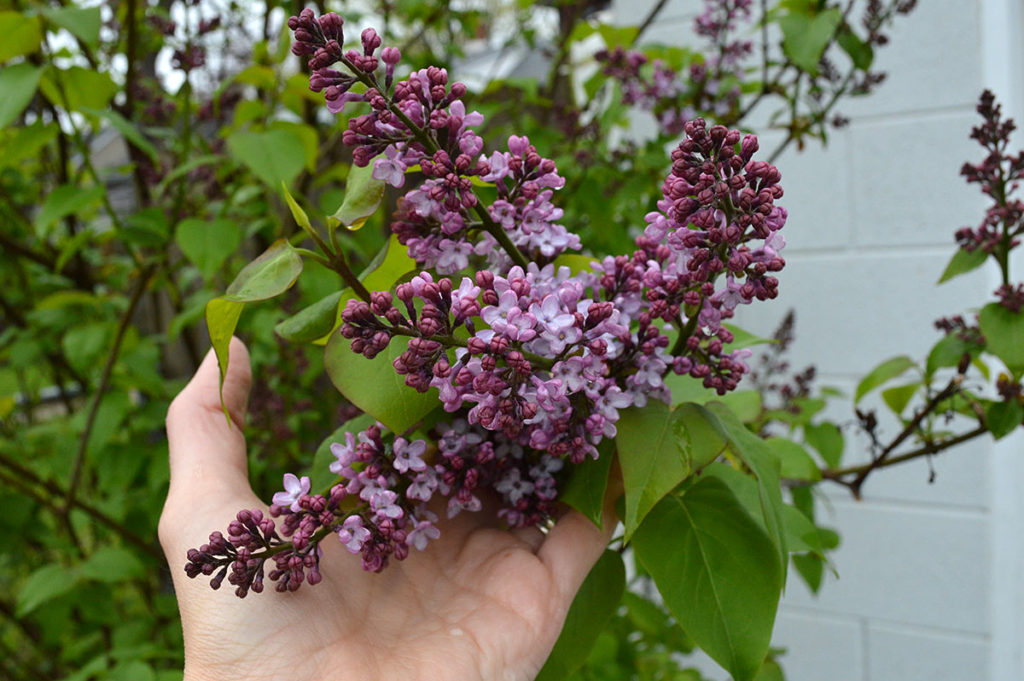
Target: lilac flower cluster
point(998, 174)
point(422, 122)
point(532, 362)
point(711, 87)
point(543, 371)
point(379, 508)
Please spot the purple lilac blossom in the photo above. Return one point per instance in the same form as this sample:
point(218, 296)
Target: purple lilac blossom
point(533, 364)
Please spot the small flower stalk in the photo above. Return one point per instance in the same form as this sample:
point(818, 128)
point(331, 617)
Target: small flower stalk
point(533, 361)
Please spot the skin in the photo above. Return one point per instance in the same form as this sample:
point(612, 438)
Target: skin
point(480, 603)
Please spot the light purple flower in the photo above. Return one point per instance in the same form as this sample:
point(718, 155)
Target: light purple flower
point(423, 486)
point(408, 455)
point(352, 534)
point(294, 489)
point(390, 169)
point(382, 503)
point(346, 455)
point(513, 486)
point(423, 531)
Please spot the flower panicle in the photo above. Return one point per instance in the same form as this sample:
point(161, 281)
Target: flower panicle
point(533, 363)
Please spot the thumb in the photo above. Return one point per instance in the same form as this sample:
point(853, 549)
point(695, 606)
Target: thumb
point(207, 451)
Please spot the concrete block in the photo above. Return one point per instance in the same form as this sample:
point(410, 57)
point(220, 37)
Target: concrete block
point(906, 182)
point(817, 192)
point(933, 61)
point(819, 647)
point(633, 12)
point(856, 310)
point(899, 654)
point(904, 566)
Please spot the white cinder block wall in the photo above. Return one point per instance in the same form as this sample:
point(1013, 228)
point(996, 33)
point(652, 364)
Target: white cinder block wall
point(930, 575)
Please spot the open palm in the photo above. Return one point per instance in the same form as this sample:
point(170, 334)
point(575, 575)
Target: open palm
point(480, 603)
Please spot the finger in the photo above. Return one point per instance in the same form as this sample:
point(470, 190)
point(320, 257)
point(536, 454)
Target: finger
point(574, 544)
point(207, 451)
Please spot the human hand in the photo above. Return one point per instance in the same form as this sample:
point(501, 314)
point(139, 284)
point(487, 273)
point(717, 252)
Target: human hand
point(481, 603)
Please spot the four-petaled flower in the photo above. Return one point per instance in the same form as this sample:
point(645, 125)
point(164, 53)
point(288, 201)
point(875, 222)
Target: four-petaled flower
point(294, 489)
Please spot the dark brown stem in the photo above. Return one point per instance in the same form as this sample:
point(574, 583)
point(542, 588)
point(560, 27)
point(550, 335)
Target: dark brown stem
point(23, 473)
point(837, 475)
point(880, 461)
point(83, 444)
point(648, 20)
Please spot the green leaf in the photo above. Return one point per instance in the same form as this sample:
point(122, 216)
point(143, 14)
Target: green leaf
point(221, 319)
point(652, 458)
point(746, 404)
point(616, 36)
point(311, 323)
point(594, 605)
point(805, 37)
point(827, 439)
point(745, 339)
point(208, 244)
point(65, 200)
point(797, 464)
point(43, 585)
point(83, 23)
point(586, 486)
point(299, 215)
point(811, 568)
point(321, 476)
point(576, 262)
point(149, 227)
point(701, 435)
point(363, 194)
point(274, 156)
point(269, 275)
point(947, 353)
point(963, 262)
point(716, 570)
point(23, 142)
point(186, 168)
point(374, 386)
point(109, 564)
point(886, 371)
point(132, 670)
point(770, 671)
point(1004, 335)
point(18, 84)
point(127, 129)
point(79, 89)
point(1002, 418)
point(801, 535)
point(262, 77)
point(85, 345)
point(761, 460)
point(21, 35)
point(860, 52)
point(898, 397)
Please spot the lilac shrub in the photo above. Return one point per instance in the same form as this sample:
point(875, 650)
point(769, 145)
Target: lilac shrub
point(710, 87)
point(533, 361)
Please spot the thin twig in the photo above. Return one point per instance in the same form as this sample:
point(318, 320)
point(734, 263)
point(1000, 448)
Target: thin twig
point(24, 473)
point(837, 474)
point(76, 467)
point(648, 20)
